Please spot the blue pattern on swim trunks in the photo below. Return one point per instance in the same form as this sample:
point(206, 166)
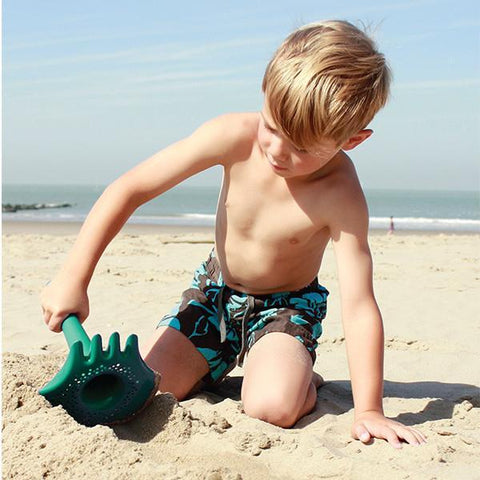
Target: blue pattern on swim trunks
point(298, 320)
point(313, 303)
point(198, 318)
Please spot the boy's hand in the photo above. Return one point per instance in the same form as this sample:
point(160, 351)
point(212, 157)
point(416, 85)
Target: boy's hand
point(374, 424)
point(63, 297)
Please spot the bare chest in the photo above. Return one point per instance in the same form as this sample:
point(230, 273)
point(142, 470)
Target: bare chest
point(270, 236)
point(272, 212)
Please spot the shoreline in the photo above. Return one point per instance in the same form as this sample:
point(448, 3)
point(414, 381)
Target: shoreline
point(10, 227)
point(13, 227)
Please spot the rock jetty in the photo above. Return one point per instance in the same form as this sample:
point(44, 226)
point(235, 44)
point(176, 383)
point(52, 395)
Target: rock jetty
point(12, 208)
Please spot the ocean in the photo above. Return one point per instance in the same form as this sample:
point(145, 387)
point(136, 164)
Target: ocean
point(186, 205)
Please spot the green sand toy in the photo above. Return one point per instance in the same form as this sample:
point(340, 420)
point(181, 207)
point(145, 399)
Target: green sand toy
point(101, 387)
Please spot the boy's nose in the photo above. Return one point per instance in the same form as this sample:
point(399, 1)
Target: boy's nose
point(278, 148)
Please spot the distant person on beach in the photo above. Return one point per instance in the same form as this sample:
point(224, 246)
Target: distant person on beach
point(391, 230)
point(288, 189)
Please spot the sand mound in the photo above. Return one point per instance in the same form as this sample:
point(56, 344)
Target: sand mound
point(45, 442)
point(208, 437)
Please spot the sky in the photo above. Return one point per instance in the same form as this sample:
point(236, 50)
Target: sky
point(92, 88)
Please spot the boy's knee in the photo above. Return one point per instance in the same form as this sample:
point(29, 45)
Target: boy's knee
point(271, 410)
point(179, 394)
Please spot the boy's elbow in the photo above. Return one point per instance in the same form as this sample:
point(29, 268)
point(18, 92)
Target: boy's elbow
point(122, 194)
point(125, 190)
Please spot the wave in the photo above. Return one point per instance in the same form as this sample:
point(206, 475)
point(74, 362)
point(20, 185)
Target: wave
point(208, 220)
point(40, 216)
point(429, 224)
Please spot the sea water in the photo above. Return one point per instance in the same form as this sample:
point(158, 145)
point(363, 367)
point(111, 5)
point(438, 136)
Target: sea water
point(189, 205)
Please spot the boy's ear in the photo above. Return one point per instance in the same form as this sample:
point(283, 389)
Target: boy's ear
point(357, 139)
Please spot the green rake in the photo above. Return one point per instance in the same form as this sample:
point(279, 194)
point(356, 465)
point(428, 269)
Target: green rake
point(98, 386)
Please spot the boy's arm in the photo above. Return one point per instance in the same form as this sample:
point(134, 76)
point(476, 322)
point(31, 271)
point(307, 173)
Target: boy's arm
point(363, 325)
point(67, 293)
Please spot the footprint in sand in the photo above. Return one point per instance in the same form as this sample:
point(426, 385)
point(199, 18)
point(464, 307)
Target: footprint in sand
point(395, 343)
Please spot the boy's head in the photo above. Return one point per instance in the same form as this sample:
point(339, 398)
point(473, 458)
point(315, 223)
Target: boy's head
point(326, 81)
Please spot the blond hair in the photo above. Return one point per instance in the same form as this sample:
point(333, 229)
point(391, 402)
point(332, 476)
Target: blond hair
point(327, 80)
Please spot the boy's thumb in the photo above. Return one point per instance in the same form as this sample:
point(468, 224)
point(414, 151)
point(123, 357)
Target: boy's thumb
point(361, 433)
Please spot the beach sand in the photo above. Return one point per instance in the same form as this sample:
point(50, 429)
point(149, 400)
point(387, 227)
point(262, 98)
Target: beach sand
point(427, 286)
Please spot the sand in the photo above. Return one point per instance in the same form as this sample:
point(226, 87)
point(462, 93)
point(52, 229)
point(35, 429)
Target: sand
point(427, 286)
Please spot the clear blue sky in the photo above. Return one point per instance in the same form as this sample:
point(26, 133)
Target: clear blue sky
point(90, 88)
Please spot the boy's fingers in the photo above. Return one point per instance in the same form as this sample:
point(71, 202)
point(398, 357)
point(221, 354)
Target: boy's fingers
point(362, 434)
point(410, 437)
point(394, 433)
point(46, 316)
point(418, 435)
point(55, 323)
point(365, 437)
point(393, 439)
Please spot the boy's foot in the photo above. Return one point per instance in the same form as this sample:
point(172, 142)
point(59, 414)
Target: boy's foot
point(317, 380)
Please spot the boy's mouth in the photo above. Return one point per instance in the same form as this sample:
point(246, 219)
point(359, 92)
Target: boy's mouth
point(275, 164)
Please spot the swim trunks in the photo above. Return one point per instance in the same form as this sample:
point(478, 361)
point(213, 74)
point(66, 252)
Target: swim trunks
point(224, 323)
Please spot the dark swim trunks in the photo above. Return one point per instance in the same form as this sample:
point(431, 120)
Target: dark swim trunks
point(224, 323)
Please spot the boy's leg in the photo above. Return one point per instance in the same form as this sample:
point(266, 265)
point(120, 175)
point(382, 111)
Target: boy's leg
point(175, 357)
point(279, 386)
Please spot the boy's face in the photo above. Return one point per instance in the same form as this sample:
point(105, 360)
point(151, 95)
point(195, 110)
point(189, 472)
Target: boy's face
point(285, 159)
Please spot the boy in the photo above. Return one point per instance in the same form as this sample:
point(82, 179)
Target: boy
point(288, 188)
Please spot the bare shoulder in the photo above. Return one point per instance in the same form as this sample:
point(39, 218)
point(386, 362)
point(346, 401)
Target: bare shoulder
point(348, 225)
point(348, 210)
point(232, 135)
point(242, 123)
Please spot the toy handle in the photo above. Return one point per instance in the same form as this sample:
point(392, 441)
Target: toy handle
point(74, 332)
